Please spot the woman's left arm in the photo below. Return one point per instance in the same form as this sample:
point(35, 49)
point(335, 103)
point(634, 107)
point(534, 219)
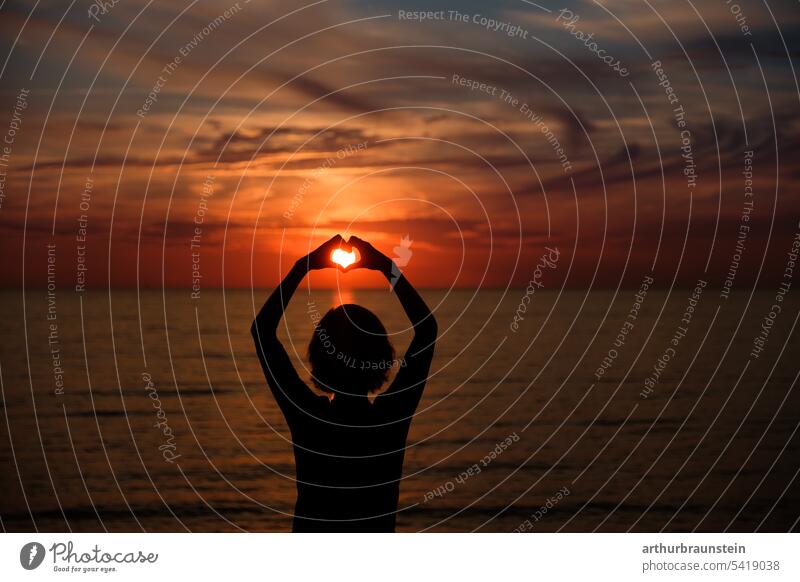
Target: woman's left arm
point(278, 369)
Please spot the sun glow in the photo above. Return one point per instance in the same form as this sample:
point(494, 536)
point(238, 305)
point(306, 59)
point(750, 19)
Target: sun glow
point(343, 258)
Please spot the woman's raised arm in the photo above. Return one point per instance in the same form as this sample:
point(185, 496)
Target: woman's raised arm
point(415, 365)
point(266, 322)
point(291, 393)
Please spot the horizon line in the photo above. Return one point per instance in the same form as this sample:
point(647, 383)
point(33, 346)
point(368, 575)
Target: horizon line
point(324, 288)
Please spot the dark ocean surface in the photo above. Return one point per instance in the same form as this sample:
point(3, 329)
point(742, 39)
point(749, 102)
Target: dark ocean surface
point(713, 444)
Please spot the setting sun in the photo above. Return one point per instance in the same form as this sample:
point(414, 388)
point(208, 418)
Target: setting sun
point(343, 258)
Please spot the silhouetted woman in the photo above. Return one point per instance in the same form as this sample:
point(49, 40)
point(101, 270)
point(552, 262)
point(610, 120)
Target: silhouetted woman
point(348, 450)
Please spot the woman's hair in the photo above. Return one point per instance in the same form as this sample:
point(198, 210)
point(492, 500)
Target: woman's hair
point(350, 351)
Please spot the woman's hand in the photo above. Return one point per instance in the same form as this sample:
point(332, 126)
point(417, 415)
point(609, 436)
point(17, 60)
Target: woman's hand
point(320, 258)
point(371, 258)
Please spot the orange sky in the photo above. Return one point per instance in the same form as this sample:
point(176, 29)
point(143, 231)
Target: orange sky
point(261, 147)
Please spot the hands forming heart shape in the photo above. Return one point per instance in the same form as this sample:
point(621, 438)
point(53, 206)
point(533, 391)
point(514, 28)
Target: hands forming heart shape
point(343, 258)
point(359, 255)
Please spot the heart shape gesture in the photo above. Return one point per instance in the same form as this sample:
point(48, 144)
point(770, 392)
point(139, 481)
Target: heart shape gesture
point(357, 253)
point(343, 258)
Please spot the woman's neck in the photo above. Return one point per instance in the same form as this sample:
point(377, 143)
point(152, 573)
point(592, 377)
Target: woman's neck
point(350, 401)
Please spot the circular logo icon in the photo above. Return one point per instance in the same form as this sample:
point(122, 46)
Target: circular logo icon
point(31, 555)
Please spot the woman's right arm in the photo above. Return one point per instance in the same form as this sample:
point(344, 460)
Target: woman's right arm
point(415, 365)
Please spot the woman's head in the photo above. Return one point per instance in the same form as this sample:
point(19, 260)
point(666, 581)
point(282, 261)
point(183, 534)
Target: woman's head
point(350, 351)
